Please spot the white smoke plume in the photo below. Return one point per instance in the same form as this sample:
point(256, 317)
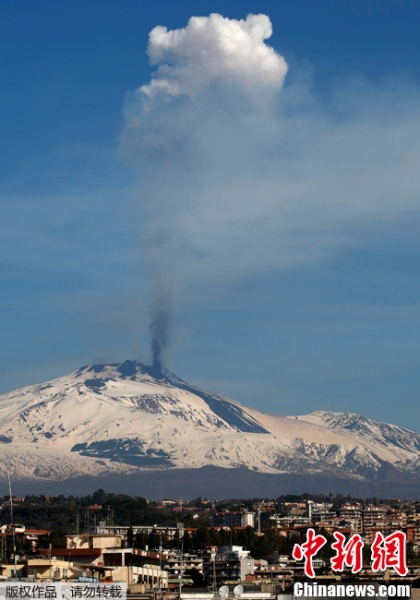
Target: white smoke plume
point(217, 51)
point(179, 123)
point(243, 174)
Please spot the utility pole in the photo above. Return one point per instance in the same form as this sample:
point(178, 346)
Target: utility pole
point(2, 552)
point(13, 526)
point(213, 558)
point(160, 561)
point(180, 527)
point(181, 569)
point(50, 559)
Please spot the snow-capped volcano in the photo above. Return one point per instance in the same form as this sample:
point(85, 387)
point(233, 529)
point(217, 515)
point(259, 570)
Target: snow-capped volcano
point(123, 418)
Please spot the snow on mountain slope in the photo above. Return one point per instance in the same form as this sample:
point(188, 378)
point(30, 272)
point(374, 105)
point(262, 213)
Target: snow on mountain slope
point(122, 418)
point(374, 434)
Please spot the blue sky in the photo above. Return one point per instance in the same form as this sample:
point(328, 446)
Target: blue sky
point(277, 214)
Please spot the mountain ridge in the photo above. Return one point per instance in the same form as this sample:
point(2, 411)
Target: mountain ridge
point(130, 418)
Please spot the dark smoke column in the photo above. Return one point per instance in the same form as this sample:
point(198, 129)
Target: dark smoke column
point(163, 276)
point(159, 330)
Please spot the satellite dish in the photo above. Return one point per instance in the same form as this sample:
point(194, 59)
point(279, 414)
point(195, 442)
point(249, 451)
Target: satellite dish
point(224, 591)
point(238, 590)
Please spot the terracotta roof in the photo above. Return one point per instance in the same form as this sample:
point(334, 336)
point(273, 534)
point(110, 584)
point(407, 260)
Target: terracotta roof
point(38, 531)
point(70, 552)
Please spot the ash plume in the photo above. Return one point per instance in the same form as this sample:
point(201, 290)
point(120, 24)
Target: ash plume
point(159, 329)
point(184, 127)
point(163, 276)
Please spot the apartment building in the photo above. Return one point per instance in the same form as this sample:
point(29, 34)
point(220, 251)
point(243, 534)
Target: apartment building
point(240, 518)
point(225, 564)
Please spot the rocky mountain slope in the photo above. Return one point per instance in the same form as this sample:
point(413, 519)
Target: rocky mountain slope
point(126, 418)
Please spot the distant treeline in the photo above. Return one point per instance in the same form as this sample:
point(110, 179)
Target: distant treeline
point(68, 515)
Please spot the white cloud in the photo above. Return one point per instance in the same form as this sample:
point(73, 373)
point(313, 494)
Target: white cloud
point(217, 51)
